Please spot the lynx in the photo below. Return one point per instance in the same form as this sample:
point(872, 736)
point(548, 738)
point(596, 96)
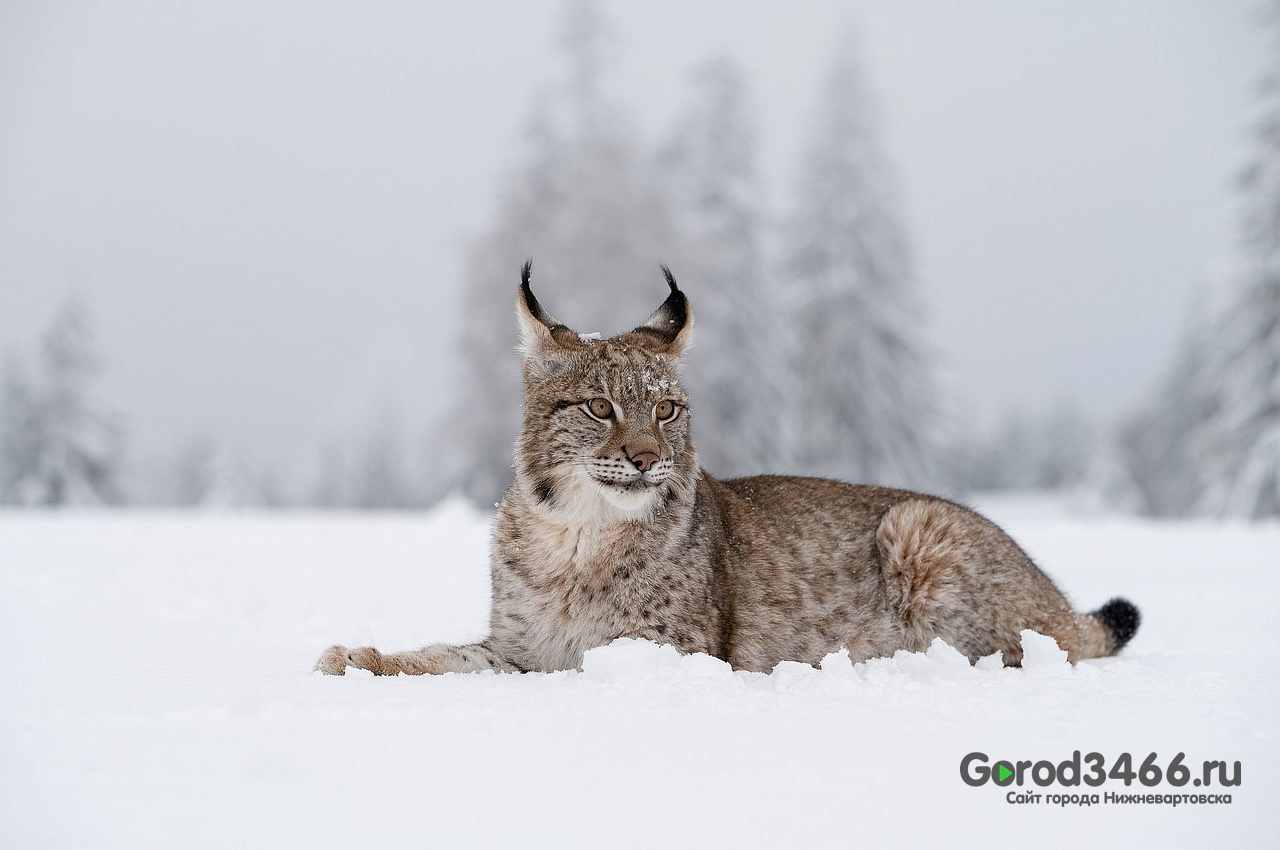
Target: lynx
point(612, 530)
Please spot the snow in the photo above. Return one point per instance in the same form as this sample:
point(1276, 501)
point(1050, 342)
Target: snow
point(156, 691)
point(1041, 654)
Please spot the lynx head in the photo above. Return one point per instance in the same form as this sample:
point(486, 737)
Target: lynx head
point(606, 422)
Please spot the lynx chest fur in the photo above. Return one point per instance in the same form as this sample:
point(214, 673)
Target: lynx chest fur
point(612, 530)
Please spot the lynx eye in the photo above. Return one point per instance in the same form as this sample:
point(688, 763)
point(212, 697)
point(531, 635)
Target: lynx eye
point(600, 408)
point(665, 410)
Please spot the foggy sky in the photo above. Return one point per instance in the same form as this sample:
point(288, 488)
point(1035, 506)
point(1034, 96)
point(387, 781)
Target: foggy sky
point(265, 203)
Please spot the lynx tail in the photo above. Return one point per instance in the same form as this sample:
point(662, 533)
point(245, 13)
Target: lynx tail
point(1121, 618)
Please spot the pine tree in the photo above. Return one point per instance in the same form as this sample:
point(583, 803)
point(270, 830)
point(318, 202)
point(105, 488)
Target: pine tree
point(1237, 444)
point(20, 434)
point(585, 207)
point(382, 476)
point(370, 464)
point(1156, 442)
point(864, 406)
point(710, 173)
point(57, 448)
point(1058, 450)
point(1068, 445)
point(1211, 443)
point(1008, 460)
point(206, 476)
point(1107, 484)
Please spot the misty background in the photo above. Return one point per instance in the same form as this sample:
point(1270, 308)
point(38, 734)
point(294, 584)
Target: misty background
point(267, 253)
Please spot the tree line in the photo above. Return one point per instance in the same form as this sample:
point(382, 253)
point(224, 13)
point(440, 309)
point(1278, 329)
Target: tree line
point(812, 354)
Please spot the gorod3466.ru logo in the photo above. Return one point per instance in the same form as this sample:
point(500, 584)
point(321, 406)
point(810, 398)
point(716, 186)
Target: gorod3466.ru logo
point(975, 770)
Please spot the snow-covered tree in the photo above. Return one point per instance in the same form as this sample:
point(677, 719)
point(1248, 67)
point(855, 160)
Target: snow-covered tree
point(864, 405)
point(1068, 444)
point(1237, 443)
point(585, 206)
point(1211, 443)
point(1156, 442)
point(56, 446)
point(1107, 484)
point(208, 477)
point(1008, 460)
point(20, 436)
point(1059, 450)
point(710, 174)
point(370, 465)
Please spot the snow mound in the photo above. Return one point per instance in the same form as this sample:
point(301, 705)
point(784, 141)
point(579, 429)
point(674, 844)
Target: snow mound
point(1041, 654)
point(631, 660)
point(637, 660)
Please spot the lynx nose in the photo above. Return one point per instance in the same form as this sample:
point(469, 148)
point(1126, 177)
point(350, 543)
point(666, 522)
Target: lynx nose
point(644, 461)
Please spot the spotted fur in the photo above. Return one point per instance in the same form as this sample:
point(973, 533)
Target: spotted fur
point(588, 546)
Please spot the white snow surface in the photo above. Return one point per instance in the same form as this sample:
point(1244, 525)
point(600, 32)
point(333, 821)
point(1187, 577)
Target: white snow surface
point(156, 691)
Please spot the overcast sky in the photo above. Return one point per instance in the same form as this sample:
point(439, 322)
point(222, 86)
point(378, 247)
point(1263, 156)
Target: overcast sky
point(264, 203)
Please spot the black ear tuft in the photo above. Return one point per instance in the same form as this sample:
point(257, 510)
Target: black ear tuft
point(531, 303)
point(671, 279)
point(671, 321)
point(539, 332)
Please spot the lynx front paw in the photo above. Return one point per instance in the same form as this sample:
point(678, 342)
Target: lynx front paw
point(335, 660)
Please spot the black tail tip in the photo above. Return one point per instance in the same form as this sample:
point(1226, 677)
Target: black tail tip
point(1122, 618)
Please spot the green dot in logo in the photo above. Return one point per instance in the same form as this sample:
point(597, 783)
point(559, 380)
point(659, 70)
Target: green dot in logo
point(1003, 772)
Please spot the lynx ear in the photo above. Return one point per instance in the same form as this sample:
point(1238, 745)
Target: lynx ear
point(539, 332)
point(670, 325)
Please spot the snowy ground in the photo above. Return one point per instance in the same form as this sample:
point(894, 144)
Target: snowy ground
point(155, 692)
